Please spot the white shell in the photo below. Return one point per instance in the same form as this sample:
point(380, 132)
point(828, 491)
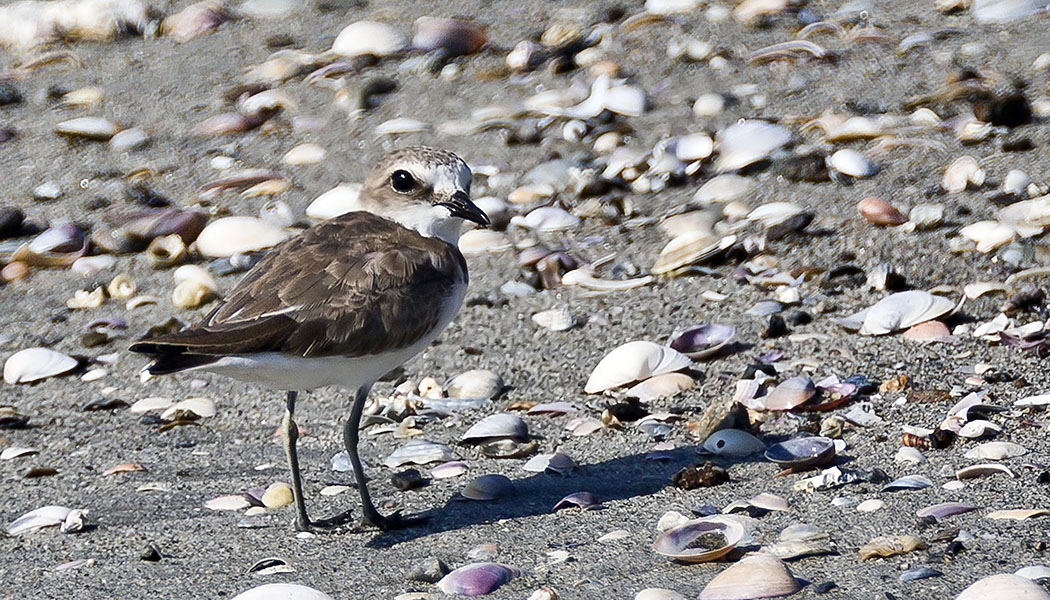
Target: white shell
point(341, 199)
point(419, 452)
point(229, 502)
point(962, 173)
point(501, 425)
point(92, 128)
point(660, 386)
point(909, 456)
point(988, 235)
point(305, 154)
point(774, 213)
point(282, 591)
point(979, 428)
point(547, 218)
point(1028, 217)
point(852, 163)
point(898, 311)
point(45, 516)
point(723, 188)
point(401, 125)
point(200, 407)
point(996, 451)
point(658, 594)
point(733, 442)
point(555, 319)
point(748, 142)
point(926, 216)
point(1005, 11)
point(237, 235)
point(34, 364)
point(473, 384)
point(634, 361)
point(1034, 572)
point(1012, 587)
point(1016, 182)
point(368, 37)
point(754, 576)
point(695, 146)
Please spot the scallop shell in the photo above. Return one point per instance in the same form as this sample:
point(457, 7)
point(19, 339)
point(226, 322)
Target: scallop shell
point(488, 487)
point(34, 364)
point(754, 576)
point(733, 443)
point(476, 579)
point(237, 235)
point(1012, 587)
point(747, 142)
point(676, 542)
point(634, 361)
point(802, 452)
point(501, 425)
point(898, 311)
point(282, 591)
point(368, 37)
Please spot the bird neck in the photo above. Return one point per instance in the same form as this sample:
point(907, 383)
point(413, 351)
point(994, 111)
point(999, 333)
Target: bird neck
point(428, 222)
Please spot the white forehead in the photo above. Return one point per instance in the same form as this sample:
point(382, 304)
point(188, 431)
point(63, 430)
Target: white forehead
point(447, 177)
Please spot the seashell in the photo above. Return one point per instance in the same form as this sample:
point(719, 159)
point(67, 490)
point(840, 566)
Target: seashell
point(554, 408)
point(557, 463)
point(754, 576)
point(658, 594)
point(803, 452)
point(238, 235)
point(775, 213)
point(45, 516)
point(926, 216)
point(419, 452)
point(790, 394)
point(166, 251)
point(476, 579)
point(525, 56)
point(871, 505)
point(282, 591)
point(277, 495)
point(692, 147)
point(702, 341)
point(34, 364)
point(488, 487)
point(890, 546)
point(1017, 514)
point(305, 154)
point(57, 246)
point(190, 409)
point(747, 142)
point(546, 219)
point(195, 20)
point(228, 124)
point(266, 102)
point(918, 573)
point(709, 104)
point(908, 482)
point(448, 469)
point(16, 451)
point(660, 386)
point(1028, 218)
point(634, 361)
point(454, 37)
point(501, 425)
point(680, 542)
point(733, 443)
point(339, 200)
point(474, 384)
point(898, 311)
point(1005, 11)
point(1016, 182)
point(626, 100)
point(584, 500)
point(767, 501)
point(996, 451)
point(401, 125)
point(800, 540)
point(982, 470)
point(979, 428)
point(89, 128)
point(368, 37)
point(1003, 586)
point(149, 404)
point(909, 456)
point(852, 164)
point(880, 212)
point(723, 188)
point(555, 319)
point(1035, 573)
point(193, 287)
point(988, 235)
point(964, 172)
point(690, 249)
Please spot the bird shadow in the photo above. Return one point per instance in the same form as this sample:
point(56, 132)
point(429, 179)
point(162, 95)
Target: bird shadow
point(616, 479)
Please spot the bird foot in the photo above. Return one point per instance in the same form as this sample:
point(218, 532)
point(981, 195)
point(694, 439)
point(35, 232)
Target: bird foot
point(391, 522)
point(326, 525)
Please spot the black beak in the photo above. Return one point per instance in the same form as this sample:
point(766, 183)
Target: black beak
point(461, 206)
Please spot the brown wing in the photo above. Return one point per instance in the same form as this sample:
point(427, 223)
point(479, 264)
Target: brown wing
point(357, 284)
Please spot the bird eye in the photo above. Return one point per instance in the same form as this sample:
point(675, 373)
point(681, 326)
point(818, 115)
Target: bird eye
point(402, 182)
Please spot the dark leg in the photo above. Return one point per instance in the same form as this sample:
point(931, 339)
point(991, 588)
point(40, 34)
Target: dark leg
point(370, 516)
point(291, 436)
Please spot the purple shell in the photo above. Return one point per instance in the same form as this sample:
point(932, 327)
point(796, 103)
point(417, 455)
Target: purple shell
point(585, 500)
point(802, 452)
point(945, 510)
point(702, 341)
point(110, 322)
point(476, 579)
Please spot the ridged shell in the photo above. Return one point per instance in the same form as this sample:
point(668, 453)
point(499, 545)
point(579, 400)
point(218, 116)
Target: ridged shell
point(34, 364)
point(237, 235)
point(1006, 587)
point(282, 591)
point(634, 361)
point(754, 576)
point(677, 541)
point(898, 311)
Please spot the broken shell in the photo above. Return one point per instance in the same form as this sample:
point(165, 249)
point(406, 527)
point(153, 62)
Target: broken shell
point(57, 246)
point(557, 463)
point(890, 546)
point(555, 319)
point(908, 482)
point(790, 394)
point(238, 235)
point(754, 576)
point(880, 212)
point(800, 540)
point(34, 364)
point(474, 384)
point(477, 579)
point(282, 591)
point(193, 287)
point(1004, 586)
point(926, 216)
point(988, 235)
point(120, 287)
point(501, 425)
point(978, 429)
point(733, 443)
point(996, 451)
point(368, 37)
point(720, 535)
point(488, 487)
point(166, 251)
point(962, 173)
point(45, 516)
point(190, 409)
point(898, 311)
point(455, 37)
point(634, 361)
point(419, 452)
point(804, 452)
point(702, 341)
point(983, 470)
point(747, 142)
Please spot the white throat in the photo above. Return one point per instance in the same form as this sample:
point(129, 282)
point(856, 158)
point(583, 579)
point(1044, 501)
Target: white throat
point(429, 221)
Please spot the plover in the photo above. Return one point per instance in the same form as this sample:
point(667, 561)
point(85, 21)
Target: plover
point(343, 303)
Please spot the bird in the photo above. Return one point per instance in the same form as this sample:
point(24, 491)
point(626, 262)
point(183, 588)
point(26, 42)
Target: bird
point(343, 303)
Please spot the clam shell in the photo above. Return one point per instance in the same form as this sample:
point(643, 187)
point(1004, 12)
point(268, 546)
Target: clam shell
point(555, 319)
point(634, 361)
point(584, 500)
point(339, 200)
point(988, 235)
point(800, 540)
point(368, 37)
point(890, 546)
point(880, 212)
point(962, 173)
point(733, 443)
point(702, 341)
point(557, 463)
point(194, 20)
point(852, 163)
point(449, 469)
point(419, 452)
point(1035, 572)
point(238, 235)
point(747, 142)
point(1029, 217)
point(305, 154)
point(790, 394)
point(57, 246)
point(547, 218)
point(1017, 514)
point(754, 576)
point(90, 128)
point(1012, 587)
point(34, 364)
point(675, 542)
point(802, 452)
point(455, 37)
point(660, 386)
point(488, 487)
point(898, 311)
point(45, 516)
point(690, 249)
point(724, 188)
point(695, 146)
point(1005, 11)
point(282, 591)
point(501, 425)
point(658, 594)
point(477, 579)
point(908, 482)
point(983, 470)
point(191, 408)
point(474, 384)
point(996, 451)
